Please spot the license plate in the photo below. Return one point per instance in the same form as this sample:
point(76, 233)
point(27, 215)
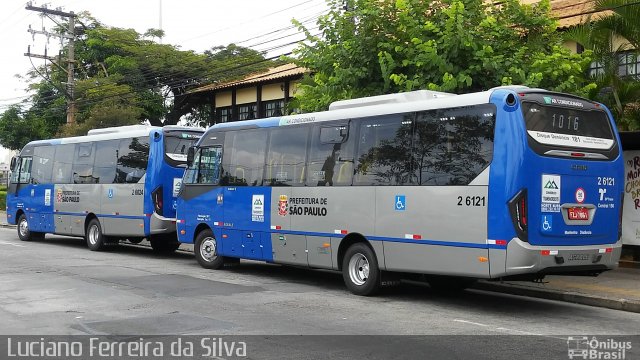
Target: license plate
point(578, 213)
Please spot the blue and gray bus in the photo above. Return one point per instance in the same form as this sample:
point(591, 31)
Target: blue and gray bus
point(115, 183)
point(507, 183)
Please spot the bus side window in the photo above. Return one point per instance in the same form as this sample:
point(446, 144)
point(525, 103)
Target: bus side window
point(104, 165)
point(209, 165)
point(453, 146)
point(62, 163)
point(286, 158)
point(82, 167)
point(332, 155)
point(25, 170)
point(244, 157)
point(384, 150)
point(133, 156)
point(42, 167)
point(191, 173)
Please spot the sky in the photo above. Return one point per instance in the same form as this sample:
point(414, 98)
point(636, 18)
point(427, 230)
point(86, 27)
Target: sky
point(194, 25)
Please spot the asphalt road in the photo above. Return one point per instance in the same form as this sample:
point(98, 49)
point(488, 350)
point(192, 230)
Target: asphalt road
point(58, 287)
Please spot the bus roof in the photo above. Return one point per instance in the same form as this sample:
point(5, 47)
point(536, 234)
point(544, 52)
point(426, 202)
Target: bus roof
point(119, 132)
point(375, 105)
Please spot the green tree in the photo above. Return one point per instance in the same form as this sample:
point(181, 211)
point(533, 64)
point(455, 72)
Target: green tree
point(17, 129)
point(123, 77)
point(614, 36)
point(388, 46)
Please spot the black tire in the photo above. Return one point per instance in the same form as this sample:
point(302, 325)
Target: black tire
point(164, 244)
point(23, 230)
point(449, 284)
point(96, 241)
point(360, 270)
point(206, 250)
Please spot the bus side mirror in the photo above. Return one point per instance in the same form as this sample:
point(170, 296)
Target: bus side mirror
point(13, 162)
point(190, 155)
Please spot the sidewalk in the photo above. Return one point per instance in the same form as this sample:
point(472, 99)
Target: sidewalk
point(617, 289)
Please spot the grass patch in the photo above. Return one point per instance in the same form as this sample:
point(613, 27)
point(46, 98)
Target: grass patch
point(3, 198)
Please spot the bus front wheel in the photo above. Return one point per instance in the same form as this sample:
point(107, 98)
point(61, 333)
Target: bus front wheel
point(206, 250)
point(96, 240)
point(360, 270)
point(23, 230)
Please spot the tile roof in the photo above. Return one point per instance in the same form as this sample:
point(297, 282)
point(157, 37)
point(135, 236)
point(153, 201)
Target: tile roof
point(572, 12)
point(275, 73)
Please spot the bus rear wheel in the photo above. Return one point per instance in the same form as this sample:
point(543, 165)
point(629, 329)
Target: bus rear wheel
point(360, 270)
point(206, 250)
point(23, 230)
point(96, 240)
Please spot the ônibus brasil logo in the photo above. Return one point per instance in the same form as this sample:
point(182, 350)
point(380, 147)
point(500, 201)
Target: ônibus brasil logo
point(581, 347)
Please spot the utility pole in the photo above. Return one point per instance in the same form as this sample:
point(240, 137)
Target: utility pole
point(70, 36)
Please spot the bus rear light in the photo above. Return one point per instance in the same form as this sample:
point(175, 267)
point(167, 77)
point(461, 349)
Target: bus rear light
point(276, 227)
point(519, 214)
point(157, 200)
point(548, 252)
point(497, 242)
point(180, 221)
point(609, 250)
point(413, 236)
point(577, 154)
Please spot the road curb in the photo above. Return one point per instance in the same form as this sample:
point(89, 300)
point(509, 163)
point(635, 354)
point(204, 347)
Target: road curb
point(567, 296)
point(7, 226)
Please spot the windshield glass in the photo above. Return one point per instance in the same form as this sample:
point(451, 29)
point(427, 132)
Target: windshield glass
point(568, 127)
point(176, 145)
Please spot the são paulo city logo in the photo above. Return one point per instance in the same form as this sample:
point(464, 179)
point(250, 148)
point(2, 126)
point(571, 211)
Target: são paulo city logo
point(283, 205)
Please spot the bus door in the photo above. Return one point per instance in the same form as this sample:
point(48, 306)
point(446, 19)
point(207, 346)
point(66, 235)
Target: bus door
point(42, 190)
point(574, 188)
point(23, 192)
point(246, 215)
point(201, 198)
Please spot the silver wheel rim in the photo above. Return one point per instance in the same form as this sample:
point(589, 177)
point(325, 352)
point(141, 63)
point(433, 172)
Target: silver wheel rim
point(208, 249)
point(359, 269)
point(24, 227)
point(93, 234)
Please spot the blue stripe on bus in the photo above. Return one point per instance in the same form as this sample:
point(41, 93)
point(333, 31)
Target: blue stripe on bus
point(401, 240)
point(102, 215)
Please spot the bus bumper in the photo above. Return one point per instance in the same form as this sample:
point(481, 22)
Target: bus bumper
point(522, 258)
point(161, 225)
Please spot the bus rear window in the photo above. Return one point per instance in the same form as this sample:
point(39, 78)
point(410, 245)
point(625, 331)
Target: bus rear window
point(176, 145)
point(568, 127)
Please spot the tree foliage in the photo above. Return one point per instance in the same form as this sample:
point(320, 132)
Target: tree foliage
point(123, 77)
point(612, 38)
point(376, 47)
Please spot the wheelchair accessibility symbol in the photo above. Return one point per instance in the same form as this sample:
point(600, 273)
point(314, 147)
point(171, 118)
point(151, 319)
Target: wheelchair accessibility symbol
point(547, 223)
point(401, 203)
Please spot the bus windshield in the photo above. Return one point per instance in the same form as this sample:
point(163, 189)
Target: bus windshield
point(568, 127)
point(176, 145)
